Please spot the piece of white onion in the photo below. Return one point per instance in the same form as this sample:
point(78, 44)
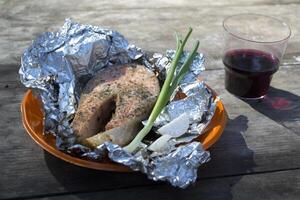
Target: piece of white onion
point(159, 144)
point(176, 127)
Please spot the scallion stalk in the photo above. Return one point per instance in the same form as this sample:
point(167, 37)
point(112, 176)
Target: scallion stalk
point(168, 88)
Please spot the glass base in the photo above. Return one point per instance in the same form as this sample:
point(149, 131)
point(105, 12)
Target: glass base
point(254, 98)
point(247, 98)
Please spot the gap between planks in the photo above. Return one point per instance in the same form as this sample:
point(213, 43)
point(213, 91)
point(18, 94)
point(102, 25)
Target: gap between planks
point(155, 184)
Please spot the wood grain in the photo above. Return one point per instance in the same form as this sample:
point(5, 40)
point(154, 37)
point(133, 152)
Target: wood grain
point(256, 158)
point(148, 24)
point(249, 187)
point(251, 143)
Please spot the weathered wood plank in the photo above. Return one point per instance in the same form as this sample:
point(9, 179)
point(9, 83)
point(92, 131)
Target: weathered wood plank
point(257, 139)
point(256, 186)
point(22, 22)
point(251, 143)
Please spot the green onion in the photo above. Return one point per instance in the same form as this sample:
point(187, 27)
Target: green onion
point(168, 88)
point(184, 69)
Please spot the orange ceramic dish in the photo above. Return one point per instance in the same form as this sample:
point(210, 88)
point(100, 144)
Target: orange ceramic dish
point(32, 117)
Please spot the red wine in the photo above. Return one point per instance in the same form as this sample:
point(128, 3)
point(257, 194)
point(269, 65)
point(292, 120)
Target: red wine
point(248, 72)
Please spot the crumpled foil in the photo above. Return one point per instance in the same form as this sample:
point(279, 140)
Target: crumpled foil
point(58, 65)
point(178, 167)
point(198, 103)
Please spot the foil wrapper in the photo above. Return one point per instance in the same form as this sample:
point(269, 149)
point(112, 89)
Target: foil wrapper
point(58, 65)
point(178, 167)
point(198, 104)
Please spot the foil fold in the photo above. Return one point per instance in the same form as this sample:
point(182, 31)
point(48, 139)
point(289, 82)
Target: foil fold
point(178, 167)
point(58, 65)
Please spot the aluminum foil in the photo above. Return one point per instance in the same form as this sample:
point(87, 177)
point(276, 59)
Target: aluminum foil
point(178, 167)
point(198, 104)
point(57, 66)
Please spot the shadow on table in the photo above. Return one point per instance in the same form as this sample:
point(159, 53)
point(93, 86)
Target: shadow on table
point(231, 159)
point(79, 179)
point(281, 106)
point(230, 156)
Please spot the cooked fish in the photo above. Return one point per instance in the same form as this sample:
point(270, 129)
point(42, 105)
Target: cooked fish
point(113, 104)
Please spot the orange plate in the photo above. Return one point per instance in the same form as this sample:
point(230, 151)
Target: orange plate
point(32, 117)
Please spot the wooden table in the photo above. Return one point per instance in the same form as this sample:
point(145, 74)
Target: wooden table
point(258, 156)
